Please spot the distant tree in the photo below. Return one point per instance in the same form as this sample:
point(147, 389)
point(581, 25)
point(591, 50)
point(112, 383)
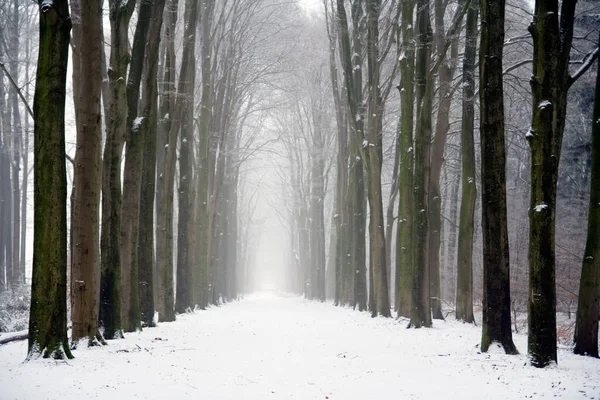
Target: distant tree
point(496, 271)
point(48, 314)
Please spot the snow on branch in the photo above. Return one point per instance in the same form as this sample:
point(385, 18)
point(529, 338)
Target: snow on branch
point(587, 62)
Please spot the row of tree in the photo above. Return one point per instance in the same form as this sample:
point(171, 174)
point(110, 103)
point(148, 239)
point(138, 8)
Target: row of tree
point(364, 66)
point(156, 202)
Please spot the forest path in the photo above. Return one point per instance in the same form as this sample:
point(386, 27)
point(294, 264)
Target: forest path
point(272, 346)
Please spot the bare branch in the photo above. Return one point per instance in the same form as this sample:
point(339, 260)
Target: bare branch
point(587, 62)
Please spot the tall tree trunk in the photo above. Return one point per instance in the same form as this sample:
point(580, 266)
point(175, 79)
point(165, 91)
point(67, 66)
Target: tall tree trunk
point(184, 292)
point(132, 177)
point(373, 152)
point(166, 180)
point(420, 313)
point(17, 146)
point(588, 306)
point(167, 105)
point(6, 188)
point(496, 271)
point(110, 237)
point(149, 125)
point(356, 289)
point(552, 37)
point(446, 74)
point(464, 287)
point(85, 227)
point(202, 287)
point(404, 244)
point(48, 313)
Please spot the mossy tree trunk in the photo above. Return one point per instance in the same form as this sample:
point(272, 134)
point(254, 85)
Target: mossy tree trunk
point(132, 177)
point(404, 244)
point(116, 129)
point(351, 60)
point(373, 158)
point(445, 73)
point(48, 313)
point(420, 312)
point(149, 125)
point(588, 306)
point(85, 227)
point(464, 289)
point(496, 271)
point(166, 180)
point(552, 37)
point(184, 295)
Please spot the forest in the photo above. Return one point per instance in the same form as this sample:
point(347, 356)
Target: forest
point(288, 174)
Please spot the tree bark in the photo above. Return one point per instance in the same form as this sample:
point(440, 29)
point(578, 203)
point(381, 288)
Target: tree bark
point(464, 288)
point(420, 313)
point(149, 126)
point(552, 37)
point(48, 313)
point(184, 299)
point(588, 307)
point(132, 174)
point(404, 245)
point(166, 178)
point(496, 271)
point(110, 237)
point(85, 227)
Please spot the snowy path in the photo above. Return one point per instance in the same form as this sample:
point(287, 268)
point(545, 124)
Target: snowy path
point(276, 347)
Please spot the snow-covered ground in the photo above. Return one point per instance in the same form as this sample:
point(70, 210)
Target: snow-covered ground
point(271, 346)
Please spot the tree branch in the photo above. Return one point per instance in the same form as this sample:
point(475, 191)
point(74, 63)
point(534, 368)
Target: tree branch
point(12, 81)
point(587, 62)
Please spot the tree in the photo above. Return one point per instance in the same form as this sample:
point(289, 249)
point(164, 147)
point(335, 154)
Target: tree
point(85, 257)
point(372, 152)
point(184, 295)
point(146, 261)
point(116, 130)
point(48, 314)
point(464, 290)
point(404, 246)
point(588, 307)
point(132, 182)
point(496, 271)
point(552, 38)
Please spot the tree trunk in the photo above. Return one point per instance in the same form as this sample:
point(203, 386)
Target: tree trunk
point(202, 286)
point(17, 148)
point(48, 313)
point(184, 299)
point(146, 260)
point(420, 313)
point(373, 152)
point(110, 237)
point(164, 216)
point(132, 177)
point(464, 287)
point(85, 227)
point(446, 74)
point(588, 307)
point(496, 271)
point(404, 244)
point(549, 86)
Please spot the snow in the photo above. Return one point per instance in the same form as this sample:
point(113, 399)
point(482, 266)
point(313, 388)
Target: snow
point(540, 207)
point(529, 133)
point(544, 104)
point(273, 346)
point(137, 123)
